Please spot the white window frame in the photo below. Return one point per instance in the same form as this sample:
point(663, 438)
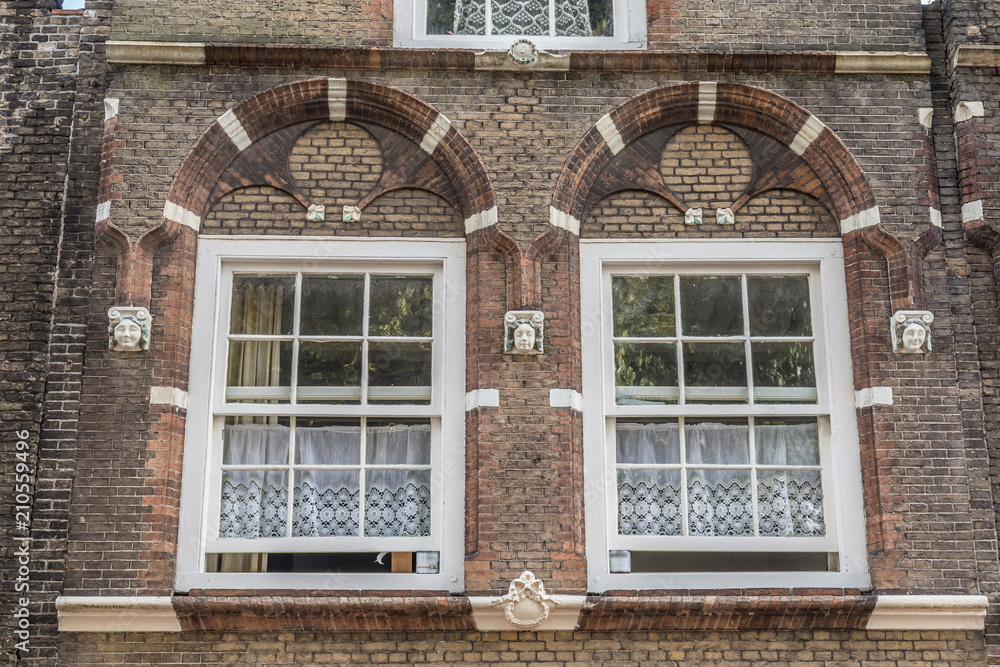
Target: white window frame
point(840, 458)
point(218, 258)
point(410, 30)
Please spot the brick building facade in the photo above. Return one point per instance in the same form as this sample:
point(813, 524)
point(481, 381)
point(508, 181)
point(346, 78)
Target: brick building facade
point(321, 331)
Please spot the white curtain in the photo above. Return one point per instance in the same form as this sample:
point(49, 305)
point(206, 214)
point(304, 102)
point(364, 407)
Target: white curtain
point(326, 502)
point(720, 501)
point(522, 17)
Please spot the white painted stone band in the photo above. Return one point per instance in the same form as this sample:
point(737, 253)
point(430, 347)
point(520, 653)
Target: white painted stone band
point(807, 135)
point(110, 108)
point(865, 398)
point(564, 616)
point(563, 221)
point(482, 398)
point(481, 220)
point(866, 218)
point(935, 217)
point(103, 211)
point(566, 398)
point(232, 126)
point(169, 396)
point(972, 211)
point(116, 614)
point(609, 131)
point(708, 94)
point(439, 127)
point(929, 612)
point(881, 62)
point(155, 53)
point(181, 215)
point(336, 95)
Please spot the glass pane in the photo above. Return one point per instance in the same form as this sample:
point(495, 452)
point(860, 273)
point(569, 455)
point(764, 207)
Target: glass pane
point(401, 306)
point(469, 18)
point(520, 17)
point(779, 305)
point(332, 305)
point(254, 503)
point(784, 365)
point(399, 365)
point(398, 502)
point(649, 502)
point(262, 305)
point(326, 503)
point(719, 502)
point(440, 17)
point(647, 443)
point(646, 373)
point(398, 444)
point(253, 444)
point(575, 18)
point(266, 365)
point(322, 442)
point(717, 442)
point(334, 364)
point(643, 306)
point(790, 503)
point(709, 368)
point(786, 442)
point(602, 23)
point(711, 306)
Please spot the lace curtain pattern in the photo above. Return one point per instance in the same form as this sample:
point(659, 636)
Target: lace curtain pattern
point(325, 503)
point(720, 501)
point(523, 17)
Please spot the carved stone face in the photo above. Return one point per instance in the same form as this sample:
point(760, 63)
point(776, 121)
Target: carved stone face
point(524, 337)
point(913, 337)
point(128, 334)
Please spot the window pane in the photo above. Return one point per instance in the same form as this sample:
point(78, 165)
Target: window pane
point(398, 444)
point(717, 442)
point(711, 305)
point(266, 365)
point(719, 502)
point(788, 366)
point(646, 373)
point(649, 502)
point(253, 444)
point(643, 306)
point(399, 366)
point(332, 305)
point(779, 305)
point(440, 17)
point(254, 503)
point(262, 305)
point(786, 442)
point(327, 443)
point(647, 443)
point(520, 17)
point(326, 503)
point(790, 503)
point(470, 17)
point(713, 367)
point(401, 306)
point(334, 364)
point(573, 17)
point(398, 503)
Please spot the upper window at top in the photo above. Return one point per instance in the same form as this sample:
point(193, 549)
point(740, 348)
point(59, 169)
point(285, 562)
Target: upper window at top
point(550, 24)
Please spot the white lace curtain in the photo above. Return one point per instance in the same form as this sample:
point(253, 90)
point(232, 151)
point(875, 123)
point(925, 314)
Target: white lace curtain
point(325, 502)
point(522, 17)
point(719, 501)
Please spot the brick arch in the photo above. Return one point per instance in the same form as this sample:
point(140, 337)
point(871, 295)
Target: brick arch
point(248, 145)
point(793, 140)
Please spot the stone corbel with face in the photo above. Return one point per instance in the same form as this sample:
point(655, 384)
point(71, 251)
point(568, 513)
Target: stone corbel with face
point(128, 329)
point(523, 332)
point(911, 331)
